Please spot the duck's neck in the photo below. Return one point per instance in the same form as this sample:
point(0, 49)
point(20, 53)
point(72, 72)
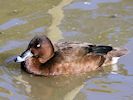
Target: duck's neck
point(45, 58)
point(33, 66)
point(47, 53)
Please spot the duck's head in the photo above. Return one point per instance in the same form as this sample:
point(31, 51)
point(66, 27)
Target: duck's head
point(40, 47)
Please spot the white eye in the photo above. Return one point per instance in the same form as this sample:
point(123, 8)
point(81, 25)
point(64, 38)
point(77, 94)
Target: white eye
point(38, 46)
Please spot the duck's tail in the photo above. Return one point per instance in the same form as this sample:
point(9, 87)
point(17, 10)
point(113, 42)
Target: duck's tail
point(111, 54)
point(116, 53)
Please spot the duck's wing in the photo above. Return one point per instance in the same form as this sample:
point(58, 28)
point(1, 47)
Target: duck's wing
point(72, 51)
point(75, 48)
point(101, 49)
point(61, 45)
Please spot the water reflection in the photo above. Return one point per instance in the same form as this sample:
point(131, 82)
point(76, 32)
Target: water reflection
point(56, 20)
point(104, 25)
point(89, 4)
point(37, 30)
point(12, 23)
point(11, 45)
point(8, 90)
point(53, 88)
point(128, 58)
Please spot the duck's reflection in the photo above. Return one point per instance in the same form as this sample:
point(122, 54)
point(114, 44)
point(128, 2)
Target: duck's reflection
point(52, 88)
point(61, 87)
point(114, 69)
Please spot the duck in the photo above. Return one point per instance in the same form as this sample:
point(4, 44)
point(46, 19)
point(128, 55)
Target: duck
point(45, 58)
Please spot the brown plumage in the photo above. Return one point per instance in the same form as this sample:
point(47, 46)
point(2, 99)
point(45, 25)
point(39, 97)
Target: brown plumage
point(44, 58)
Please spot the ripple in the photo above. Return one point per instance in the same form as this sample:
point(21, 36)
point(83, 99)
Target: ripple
point(12, 23)
point(11, 45)
point(93, 4)
point(8, 88)
point(101, 90)
point(38, 30)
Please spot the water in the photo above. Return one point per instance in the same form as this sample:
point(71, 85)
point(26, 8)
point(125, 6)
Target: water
point(97, 21)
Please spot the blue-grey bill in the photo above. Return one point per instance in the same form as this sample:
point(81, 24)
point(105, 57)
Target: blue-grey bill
point(26, 55)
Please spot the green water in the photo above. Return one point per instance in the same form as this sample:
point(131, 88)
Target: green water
point(98, 21)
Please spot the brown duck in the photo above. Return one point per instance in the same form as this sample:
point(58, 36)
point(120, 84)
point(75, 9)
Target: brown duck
point(42, 57)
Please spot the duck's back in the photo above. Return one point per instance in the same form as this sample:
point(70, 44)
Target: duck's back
point(76, 49)
point(73, 50)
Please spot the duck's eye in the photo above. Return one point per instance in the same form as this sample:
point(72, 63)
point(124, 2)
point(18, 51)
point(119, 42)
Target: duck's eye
point(38, 45)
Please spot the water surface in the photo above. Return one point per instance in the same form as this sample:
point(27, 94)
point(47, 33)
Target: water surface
point(107, 22)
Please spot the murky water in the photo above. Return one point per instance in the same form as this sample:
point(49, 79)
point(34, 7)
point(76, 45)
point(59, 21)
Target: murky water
point(97, 21)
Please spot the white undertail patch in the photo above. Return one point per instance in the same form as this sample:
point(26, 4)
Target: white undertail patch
point(115, 60)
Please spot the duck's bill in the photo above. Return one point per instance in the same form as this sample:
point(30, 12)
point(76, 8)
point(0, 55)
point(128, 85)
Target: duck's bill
point(24, 56)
